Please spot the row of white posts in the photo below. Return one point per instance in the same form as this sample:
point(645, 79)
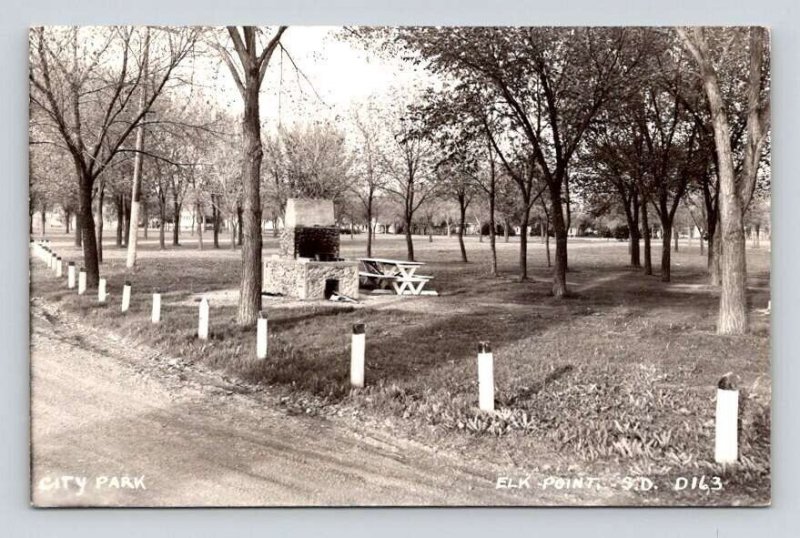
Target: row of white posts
point(727, 411)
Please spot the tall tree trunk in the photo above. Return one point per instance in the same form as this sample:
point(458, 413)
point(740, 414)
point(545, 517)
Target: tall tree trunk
point(369, 224)
point(545, 229)
point(492, 222)
point(79, 227)
point(44, 223)
point(633, 228)
point(120, 217)
point(675, 236)
point(100, 198)
point(733, 266)
point(375, 228)
point(547, 247)
point(648, 259)
point(215, 216)
point(126, 211)
point(523, 242)
point(714, 254)
point(162, 221)
point(176, 225)
point(733, 293)
point(666, 235)
point(462, 222)
point(67, 221)
point(240, 223)
point(409, 239)
point(87, 231)
point(560, 230)
point(201, 225)
point(250, 285)
point(145, 218)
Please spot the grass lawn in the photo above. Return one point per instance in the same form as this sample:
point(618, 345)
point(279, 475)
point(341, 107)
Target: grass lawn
point(618, 379)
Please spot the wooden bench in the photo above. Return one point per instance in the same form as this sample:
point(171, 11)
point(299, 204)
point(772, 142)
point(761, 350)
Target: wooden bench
point(378, 278)
point(415, 278)
point(375, 275)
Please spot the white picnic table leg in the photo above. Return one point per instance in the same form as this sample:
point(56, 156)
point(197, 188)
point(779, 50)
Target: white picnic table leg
point(407, 288)
point(398, 289)
point(421, 285)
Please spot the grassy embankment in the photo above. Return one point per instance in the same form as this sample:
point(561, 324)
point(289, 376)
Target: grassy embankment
point(620, 377)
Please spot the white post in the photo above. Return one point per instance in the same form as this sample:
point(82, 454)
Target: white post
point(59, 267)
point(71, 275)
point(101, 291)
point(202, 322)
point(81, 282)
point(51, 263)
point(126, 296)
point(156, 315)
point(261, 337)
point(357, 351)
point(485, 377)
point(726, 442)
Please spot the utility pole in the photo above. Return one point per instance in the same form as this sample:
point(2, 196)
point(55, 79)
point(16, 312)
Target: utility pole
point(136, 193)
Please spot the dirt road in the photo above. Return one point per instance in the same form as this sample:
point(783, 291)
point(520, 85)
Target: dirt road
point(117, 424)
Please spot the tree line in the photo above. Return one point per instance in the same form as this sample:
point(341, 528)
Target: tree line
point(524, 125)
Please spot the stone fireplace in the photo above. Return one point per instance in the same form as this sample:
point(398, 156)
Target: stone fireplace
point(308, 265)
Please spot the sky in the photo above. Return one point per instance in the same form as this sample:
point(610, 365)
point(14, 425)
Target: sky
point(332, 76)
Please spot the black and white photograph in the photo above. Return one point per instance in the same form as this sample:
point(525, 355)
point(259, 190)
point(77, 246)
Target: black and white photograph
point(399, 266)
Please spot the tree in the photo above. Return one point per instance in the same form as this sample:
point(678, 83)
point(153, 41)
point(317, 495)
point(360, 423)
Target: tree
point(736, 189)
point(456, 180)
point(226, 184)
point(50, 187)
point(457, 118)
point(549, 82)
point(520, 165)
point(315, 161)
point(247, 66)
point(675, 157)
point(367, 171)
point(88, 100)
point(613, 173)
point(409, 161)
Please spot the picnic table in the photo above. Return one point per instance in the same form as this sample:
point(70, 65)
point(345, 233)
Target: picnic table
point(402, 275)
